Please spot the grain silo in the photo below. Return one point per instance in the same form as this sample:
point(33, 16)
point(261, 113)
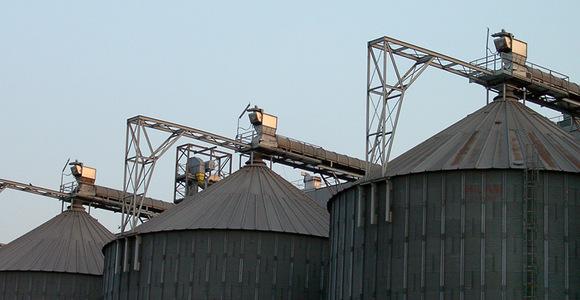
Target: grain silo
point(250, 236)
point(485, 209)
point(60, 259)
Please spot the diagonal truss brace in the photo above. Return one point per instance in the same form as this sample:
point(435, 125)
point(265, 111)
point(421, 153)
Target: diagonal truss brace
point(386, 87)
point(140, 160)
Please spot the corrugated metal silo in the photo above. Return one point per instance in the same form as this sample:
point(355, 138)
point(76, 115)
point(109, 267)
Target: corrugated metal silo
point(485, 209)
point(60, 259)
point(250, 236)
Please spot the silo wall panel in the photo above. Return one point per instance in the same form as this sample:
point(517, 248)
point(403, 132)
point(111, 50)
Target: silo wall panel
point(335, 253)
point(492, 261)
point(399, 228)
point(414, 207)
point(358, 265)
point(217, 264)
point(554, 228)
point(473, 206)
point(384, 242)
point(368, 247)
point(49, 285)
point(342, 252)
point(573, 233)
point(433, 200)
point(514, 234)
point(348, 251)
point(454, 235)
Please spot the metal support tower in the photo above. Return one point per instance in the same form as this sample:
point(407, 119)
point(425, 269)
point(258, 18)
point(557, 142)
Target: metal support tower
point(141, 155)
point(386, 87)
point(388, 80)
point(140, 159)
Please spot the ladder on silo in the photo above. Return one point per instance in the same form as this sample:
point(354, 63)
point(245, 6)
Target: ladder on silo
point(531, 268)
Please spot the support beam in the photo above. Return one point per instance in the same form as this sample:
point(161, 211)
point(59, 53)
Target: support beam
point(386, 87)
point(141, 156)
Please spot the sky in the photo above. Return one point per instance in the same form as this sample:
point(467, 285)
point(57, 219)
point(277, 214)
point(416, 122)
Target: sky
point(72, 72)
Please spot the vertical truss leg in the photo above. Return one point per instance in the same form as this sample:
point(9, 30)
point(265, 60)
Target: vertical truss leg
point(140, 159)
point(181, 179)
point(385, 94)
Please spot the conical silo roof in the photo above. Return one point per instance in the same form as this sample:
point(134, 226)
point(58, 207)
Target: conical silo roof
point(253, 198)
point(505, 134)
point(71, 242)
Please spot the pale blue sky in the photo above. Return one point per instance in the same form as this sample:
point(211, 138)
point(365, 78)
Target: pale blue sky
point(72, 72)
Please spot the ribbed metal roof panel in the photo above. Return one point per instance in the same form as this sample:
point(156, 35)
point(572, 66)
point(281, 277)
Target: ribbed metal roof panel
point(501, 135)
point(253, 198)
point(71, 242)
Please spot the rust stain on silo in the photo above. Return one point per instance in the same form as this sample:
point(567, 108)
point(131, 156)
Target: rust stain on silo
point(464, 149)
point(515, 148)
point(542, 152)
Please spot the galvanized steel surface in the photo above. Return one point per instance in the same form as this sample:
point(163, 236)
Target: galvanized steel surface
point(116, 195)
point(49, 285)
point(216, 264)
point(501, 135)
point(71, 242)
point(253, 198)
point(455, 235)
point(335, 160)
point(324, 194)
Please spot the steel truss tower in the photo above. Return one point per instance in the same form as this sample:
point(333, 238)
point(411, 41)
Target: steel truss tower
point(386, 86)
point(142, 154)
point(394, 65)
